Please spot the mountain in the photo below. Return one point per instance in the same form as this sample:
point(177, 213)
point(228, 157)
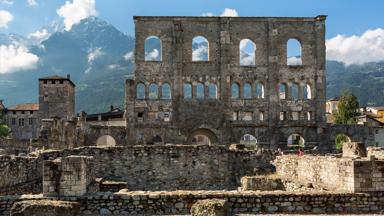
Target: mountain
point(93, 52)
point(96, 55)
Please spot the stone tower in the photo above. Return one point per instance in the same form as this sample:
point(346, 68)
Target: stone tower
point(56, 97)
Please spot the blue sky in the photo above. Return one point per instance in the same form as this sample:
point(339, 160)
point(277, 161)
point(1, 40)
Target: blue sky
point(346, 17)
point(355, 28)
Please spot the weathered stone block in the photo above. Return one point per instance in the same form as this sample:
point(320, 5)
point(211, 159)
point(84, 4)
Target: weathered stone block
point(264, 183)
point(354, 149)
point(45, 208)
point(210, 207)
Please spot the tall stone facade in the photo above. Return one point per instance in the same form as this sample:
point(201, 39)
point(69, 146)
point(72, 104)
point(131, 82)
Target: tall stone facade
point(217, 100)
point(56, 97)
point(23, 120)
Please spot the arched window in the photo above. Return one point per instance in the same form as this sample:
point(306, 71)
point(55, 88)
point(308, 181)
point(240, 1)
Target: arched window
point(153, 49)
point(187, 91)
point(295, 91)
point(166, 91)
point(247, 53)
point(140, 91)
point(295, 140)
point(293, 52)
point(259, 90)
point(282, 91)
point(200, 91)
point(212, 91)
point(307, 92)
point(153, 91)
point(247, 91)
point(235, 91)
point(200, 49)
point(248, 139)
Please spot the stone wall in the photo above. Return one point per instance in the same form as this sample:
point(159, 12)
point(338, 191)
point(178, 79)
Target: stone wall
point(332, 173)
point(20, 174)
point(377, 152)
point(164, 167)
point(180, 202)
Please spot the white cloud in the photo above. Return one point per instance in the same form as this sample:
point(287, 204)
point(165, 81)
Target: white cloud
point(201, 53)
point(32, 3)
point(40, 35)
point(369, 47)
point(5, 18)
point(94, 54)
point(129, 56)
point(294, 60)
point(13, 58)
point(247, 59)
point(228, 12)
point(208, 14)
point(154, 55)
point(6, 2)
point(74, 11)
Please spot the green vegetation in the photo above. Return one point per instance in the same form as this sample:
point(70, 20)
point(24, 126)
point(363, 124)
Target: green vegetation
point(347, 109)
point(340, 140)
point(4, 130)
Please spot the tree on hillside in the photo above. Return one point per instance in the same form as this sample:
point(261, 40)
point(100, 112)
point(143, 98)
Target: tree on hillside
point(347, 109)
point(4, 129)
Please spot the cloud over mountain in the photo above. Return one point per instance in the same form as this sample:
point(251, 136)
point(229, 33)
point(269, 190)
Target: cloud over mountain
point(74, 11)
point(13, 58)
point(355, 49)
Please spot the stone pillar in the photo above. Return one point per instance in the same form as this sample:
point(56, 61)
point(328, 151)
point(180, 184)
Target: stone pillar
point(68, 176)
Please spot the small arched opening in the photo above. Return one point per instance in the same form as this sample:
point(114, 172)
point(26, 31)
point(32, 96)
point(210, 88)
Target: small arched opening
point(295, 140)
point(248, 140)
point(153, 49)
point(202, 137)
point(200, 49)
point(106, 140)
point(293, 52)
point(247, 53)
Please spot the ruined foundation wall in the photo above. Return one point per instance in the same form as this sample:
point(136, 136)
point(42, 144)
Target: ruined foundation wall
point(20, 175)
point(180, 202)
point(333, 173)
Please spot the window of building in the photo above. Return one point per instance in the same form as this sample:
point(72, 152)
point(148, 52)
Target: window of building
point(247, 53)
point(293, 52)
point(22, 112)
point(21, 122)
point(153, 49)
point(235, 91)
point(31, 121)
point(246, 116)
point(13, 120)
point(261, 116)
point(259, 90)
point(153, 91)
point(14, 112)
point(167, 116)
point(140, 116)
point(53, 81)
point(282, 91)
point(200, 49)
point(61, 81)
point(308, 92)
point(309, 116)
point(140, 91)
point(153, 115)
point(235, 116)
point(247, 91)
point(295, 115)
point(166, 91)
point(212, 91)
point(31, 112)
point(187, 91)
point(45, 81)
point(200, 91)
point(295, 91)
point(282, 116)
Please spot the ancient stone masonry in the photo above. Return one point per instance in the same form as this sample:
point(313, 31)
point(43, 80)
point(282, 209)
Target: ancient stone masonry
point(179, 98)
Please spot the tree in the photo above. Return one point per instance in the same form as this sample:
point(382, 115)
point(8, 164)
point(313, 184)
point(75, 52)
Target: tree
point(347, 109)
point(4, 129)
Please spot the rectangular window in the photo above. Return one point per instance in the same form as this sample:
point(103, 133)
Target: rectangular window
point(152, 115)
point(30, 121)
point(282, 116)
point(140, 116)
point(31, 112)
point(235, 116)
point(377, 131)
point(13, 121)
point(21, 122)
point(166, 116)
point(309, 116)
point(295, 116)
point(14, 112)
point(247, 116)
point(261, 116)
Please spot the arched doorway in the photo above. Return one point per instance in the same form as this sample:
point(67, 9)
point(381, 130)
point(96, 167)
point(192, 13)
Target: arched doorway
point(106, 140)
point(202, 137)
point(295, 140)
point(340, 140)
point(248, 140)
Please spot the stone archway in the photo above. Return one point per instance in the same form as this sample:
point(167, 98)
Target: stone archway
point(295, 140)
point(248, 139)
point(106, 140)
point(202, 136)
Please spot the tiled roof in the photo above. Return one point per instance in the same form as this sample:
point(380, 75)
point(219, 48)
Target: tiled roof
point(23, 107)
